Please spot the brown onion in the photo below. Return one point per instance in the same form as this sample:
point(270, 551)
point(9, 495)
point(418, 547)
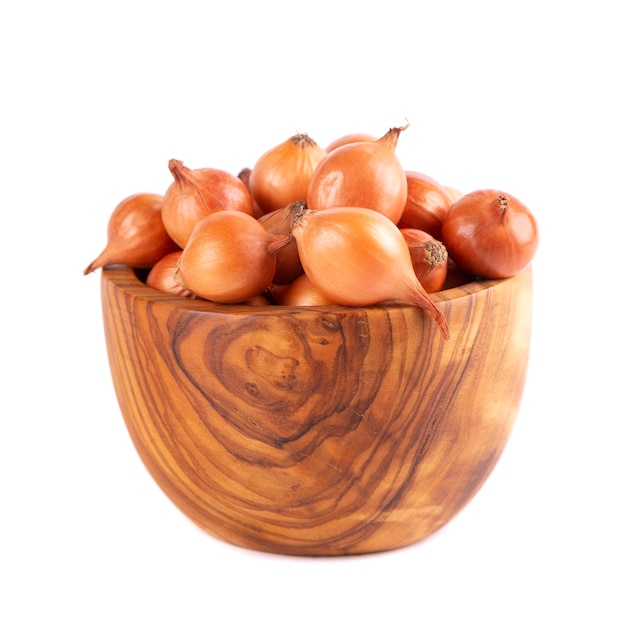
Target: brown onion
point(358, 257)
point(288, 265)
point(229, 258)
point(366, 174)
point(281, 175)
point(354, 137)
point(244, 176)
point(275, 292)
point(136, 234)
point(490, 234)
point(302, 292)
point(426, 205)
point(455, 276)
point(197, 193)
point(429, 258)
point(161, 276)
point(454, 193)
point(257, 300)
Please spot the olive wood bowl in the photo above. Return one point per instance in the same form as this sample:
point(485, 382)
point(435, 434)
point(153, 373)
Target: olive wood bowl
point(318, 430)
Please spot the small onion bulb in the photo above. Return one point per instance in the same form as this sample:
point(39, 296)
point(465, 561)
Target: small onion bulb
point(229, 258)
point(136, 235)
point(358, 257)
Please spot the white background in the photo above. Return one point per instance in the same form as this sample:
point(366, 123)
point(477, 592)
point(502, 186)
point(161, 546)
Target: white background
point(96, 98)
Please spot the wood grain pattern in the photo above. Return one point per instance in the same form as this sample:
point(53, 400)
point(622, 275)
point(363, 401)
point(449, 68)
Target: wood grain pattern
point(318, 431)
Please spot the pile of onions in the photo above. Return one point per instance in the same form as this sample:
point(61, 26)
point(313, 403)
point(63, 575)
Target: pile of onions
point(136, 235)
point(197, 193)
point(343, 226)
point(357, 257)
point(365, 174)
point(281, 175)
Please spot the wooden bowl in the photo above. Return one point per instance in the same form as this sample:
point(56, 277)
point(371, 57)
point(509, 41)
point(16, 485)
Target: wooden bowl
point(318, 431)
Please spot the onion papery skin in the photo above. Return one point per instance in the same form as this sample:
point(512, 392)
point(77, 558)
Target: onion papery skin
point(490, 234)
point(198, 193)
point(229, 258)
point(288, 265)
point(303, 292)
point(455, 276)
point(244, 176)
point(429, 258)
point(136, 235)
point(161, 277)
point(282, 174)
point(427, 204)
point(354, 137)
point(455, 194)
point(357, 257)
point(364, 174)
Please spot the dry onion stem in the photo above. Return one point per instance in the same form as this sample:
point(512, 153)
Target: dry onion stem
point(429, 258)
point(288, 265)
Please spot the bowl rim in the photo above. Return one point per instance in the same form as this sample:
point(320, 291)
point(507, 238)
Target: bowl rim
point(124, 277)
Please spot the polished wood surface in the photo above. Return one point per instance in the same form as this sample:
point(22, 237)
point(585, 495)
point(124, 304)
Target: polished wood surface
point(318, 431)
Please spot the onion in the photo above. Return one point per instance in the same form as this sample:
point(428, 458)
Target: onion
point(429, 258)
point(454, 193)
point(136, 234)
point(197, 193)
point(229, 258)
point(281, 175)
point(288, 265)
point(490, 234)
point(358, 257)
point(276, 292)
point(161, 276)
point(455, 276)
point(366, 174)
point(244, 176)
point(426, 205)
point(354, 137)
point(257, 300)
point(301, 292)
